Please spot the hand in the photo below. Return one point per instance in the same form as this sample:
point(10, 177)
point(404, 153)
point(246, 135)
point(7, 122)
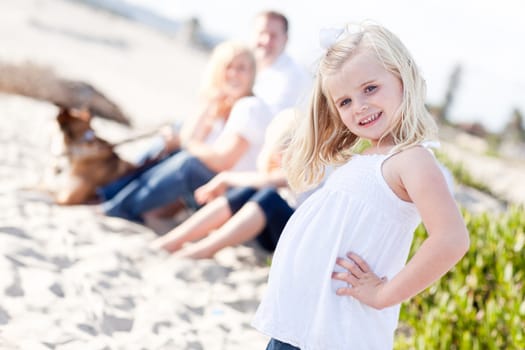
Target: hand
point(220, 105)
point(211, 190)
point(363, 284)
point(171, 139)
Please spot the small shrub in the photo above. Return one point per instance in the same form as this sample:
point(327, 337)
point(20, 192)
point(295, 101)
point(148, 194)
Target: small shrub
point(480, 304)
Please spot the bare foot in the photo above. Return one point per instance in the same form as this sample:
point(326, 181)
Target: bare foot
point(156, 244)
point(193, 251)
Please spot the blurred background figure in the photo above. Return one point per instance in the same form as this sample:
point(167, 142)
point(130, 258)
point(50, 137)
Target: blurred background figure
point(280, 81)
point(241, 205)
point(236, 147)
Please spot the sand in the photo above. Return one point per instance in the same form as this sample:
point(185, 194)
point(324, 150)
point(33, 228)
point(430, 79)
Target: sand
point(73, 279)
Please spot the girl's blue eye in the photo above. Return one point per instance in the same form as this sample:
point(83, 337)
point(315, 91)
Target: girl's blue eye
point(370, 88)
point(345, 102)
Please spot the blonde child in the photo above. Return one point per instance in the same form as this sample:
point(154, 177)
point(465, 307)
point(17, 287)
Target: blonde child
point(338, 275)
point(240, 205)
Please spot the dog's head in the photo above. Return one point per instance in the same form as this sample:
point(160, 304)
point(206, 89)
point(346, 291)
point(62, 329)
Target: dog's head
point(80, 140)
point(75, 124)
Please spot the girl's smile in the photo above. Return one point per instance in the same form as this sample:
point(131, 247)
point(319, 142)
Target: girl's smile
point(368, 121)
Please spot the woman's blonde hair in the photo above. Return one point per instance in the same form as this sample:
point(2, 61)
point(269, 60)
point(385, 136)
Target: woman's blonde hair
point(322, 139)
point(222, 55)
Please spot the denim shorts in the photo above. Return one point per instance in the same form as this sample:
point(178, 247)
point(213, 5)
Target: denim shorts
point(276, 211)
point(275, 344)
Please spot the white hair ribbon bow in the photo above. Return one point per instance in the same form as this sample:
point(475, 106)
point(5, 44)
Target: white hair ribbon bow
point(329, 36)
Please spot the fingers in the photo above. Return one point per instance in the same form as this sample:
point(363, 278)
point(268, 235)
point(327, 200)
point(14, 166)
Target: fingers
point(357, 270)
point(345, 277)
point(350, 266)
point(203, 195)
point(345, 292)
point(350, 279)
point(362, 283)
point(209, 191)
point(166, 132)
point(200, 197)
point(359, 261)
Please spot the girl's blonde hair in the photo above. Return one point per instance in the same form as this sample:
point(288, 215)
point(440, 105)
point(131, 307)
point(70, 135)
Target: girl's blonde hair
point(222, 55)
point(322, 139)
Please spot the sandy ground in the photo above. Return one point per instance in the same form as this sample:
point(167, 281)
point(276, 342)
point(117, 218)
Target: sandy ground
point(72, 279)
point(504, 177)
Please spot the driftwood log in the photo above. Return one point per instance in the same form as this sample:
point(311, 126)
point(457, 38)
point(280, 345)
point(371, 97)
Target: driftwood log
point(41, 83)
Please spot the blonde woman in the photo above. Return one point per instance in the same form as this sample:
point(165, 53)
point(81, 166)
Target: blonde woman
point(246, 117)
point(218, 92)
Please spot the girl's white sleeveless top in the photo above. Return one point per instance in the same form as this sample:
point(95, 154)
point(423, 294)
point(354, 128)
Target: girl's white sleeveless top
point(354, 211)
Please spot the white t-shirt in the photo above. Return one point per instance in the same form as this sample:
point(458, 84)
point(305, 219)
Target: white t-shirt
point(282, 85)
point(215, 132)
point(248, 118)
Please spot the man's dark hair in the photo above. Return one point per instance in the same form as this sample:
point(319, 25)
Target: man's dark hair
point(276, 15)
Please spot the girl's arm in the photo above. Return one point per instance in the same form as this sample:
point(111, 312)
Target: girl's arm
point(220, 183)
point(222, 154)
point(422, 182)
point(196, 128)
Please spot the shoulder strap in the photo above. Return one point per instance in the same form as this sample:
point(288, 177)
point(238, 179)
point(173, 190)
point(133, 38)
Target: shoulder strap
point(426, 144)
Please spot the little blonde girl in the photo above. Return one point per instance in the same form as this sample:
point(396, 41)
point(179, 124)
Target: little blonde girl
point(338, 275)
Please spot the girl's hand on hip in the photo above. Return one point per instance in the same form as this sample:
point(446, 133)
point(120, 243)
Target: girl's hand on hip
point(363, 283)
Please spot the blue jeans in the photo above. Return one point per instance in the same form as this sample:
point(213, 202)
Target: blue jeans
point(174, 178)
point(276, 211)
point(275, 344)
point(145, 161)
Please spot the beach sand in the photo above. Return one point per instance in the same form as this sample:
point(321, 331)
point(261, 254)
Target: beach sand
point(73, 279)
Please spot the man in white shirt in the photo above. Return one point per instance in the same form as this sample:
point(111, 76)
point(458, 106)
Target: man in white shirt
point(280, 82)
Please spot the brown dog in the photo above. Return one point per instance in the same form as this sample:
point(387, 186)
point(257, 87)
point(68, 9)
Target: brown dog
point(92, 161)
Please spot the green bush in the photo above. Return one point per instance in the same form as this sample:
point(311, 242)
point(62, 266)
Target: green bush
point(480, 304)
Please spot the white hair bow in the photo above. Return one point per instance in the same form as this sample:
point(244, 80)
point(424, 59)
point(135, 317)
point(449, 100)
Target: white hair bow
point(329, 36)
